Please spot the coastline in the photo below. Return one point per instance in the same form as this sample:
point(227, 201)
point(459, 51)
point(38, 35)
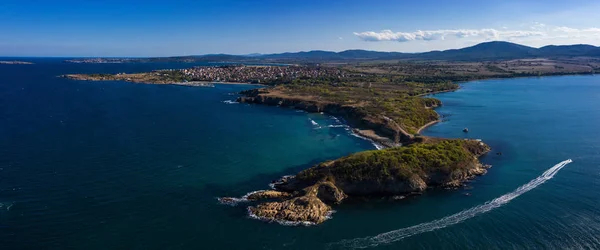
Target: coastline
point(439, 92)
point(383, 132)
point(486, 79)
point(520, 76)
point(82, 77)
point(380, 142)
point(203, 83)
point(311, 205)
point(377, 141)
point(428, 125)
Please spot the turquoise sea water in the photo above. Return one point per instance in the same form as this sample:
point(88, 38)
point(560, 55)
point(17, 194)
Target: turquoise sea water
point(115, 165)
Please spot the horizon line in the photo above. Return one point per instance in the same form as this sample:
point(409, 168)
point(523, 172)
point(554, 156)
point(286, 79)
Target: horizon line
point(301, 51)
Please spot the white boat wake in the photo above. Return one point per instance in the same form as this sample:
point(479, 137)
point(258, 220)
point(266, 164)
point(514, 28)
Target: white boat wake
point(396, 235)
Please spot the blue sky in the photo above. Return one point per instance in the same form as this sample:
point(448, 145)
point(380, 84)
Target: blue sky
point(176, 27)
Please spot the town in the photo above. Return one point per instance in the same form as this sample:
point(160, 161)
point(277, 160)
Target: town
point(261, 74)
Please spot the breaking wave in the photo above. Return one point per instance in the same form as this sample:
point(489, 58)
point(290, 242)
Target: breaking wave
point(375, 144)
point(396, 235)
point(6, 206)
point(281, 181)
point(230, 102)
point(342, 124)
point(234, 201)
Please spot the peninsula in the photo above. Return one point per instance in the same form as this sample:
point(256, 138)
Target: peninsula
point(382, 100)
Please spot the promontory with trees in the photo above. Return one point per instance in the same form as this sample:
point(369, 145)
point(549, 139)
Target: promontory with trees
point(383, 100)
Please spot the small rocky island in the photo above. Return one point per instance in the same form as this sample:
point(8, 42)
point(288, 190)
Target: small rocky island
point(15, 62)
point(308, 196)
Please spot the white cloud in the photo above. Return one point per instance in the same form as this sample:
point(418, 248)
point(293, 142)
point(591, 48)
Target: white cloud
point(538, 26)
point(579, 32)
point(537, 31)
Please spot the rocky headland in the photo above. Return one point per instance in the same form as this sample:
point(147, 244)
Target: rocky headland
point(308, 197)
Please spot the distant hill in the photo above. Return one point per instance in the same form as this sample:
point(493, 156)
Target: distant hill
point(314, 54)
point(366, 54)
point(487, 51)
point(570, 50)
point(496, 50)
point(484, 51)
point(329, 55)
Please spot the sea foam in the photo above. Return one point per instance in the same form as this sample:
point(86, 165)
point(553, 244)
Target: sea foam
point(281, 180)
point(6, 205)
point(396, 235)
point(337, 126)
point(375, 144)
point(234, 201)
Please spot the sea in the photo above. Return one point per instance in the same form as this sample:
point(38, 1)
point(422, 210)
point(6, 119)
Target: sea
point(119, 165)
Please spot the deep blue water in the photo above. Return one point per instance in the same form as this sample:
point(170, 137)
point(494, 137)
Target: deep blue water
point(115, 165)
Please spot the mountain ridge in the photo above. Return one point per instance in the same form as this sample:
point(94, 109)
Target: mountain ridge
point(486, 51)
point(494, 50)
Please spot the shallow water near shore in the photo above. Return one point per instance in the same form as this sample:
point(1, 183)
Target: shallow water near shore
point(115, 165)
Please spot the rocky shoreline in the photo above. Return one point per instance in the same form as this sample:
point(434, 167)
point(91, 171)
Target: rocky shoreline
point(307, 198)
point(378, 128)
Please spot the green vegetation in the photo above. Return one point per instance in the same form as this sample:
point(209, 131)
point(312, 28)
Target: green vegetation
point(420, 159)
point(173, 76)
point(397, 101)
